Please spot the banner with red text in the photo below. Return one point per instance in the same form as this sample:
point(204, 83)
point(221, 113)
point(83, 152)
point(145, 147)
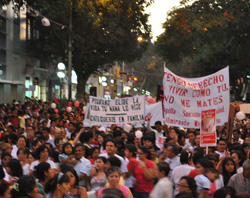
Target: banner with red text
point(208, 128)
point(185, 98)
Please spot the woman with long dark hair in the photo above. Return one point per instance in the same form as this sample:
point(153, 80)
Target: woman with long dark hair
point(238, 159)
point(188, 185)
point(15, 170)
point(143, 172)
point(43, 173)
point(25, 187)
point(58, 187)
point(228, 169)
point(42, 154)
point(75, 190)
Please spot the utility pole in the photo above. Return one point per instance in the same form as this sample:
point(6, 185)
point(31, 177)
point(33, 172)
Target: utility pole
point(70, 54)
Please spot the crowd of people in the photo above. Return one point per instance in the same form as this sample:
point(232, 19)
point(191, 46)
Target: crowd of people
point(50, 153)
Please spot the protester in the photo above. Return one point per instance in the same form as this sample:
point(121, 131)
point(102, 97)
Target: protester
point(183, 170)
point(188, 185)
point(25, 187)
point(75, 190)
point(5, 190)
point(143, 171)
point(111, 148)
point(99, 180)
point(83, 166)
point(15, 170)
point(140, 159)
point(171, 151)
point(58, 186)
point(163, 188)
point(241, 181)
point(43, 173)
point(228, 169)
point(42, 154)
point(113, 175)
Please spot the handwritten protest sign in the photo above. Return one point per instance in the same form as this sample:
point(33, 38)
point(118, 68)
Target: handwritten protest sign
point(185, 98)
point(104, 112)
point(208, 128)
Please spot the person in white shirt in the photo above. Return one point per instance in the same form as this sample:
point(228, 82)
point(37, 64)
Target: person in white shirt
point(43, 156)
point(159, 132)
point(183, 170)
point(163, 188)
point(170, 152)
point(83, 166)
point(111, 149)
point(221, 147)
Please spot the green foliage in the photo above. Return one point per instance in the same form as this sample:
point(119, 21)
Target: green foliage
point(148, 70)
point(213, 34)
point(102, 31)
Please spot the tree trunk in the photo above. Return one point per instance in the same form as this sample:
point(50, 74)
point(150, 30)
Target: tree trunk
point(81, 96)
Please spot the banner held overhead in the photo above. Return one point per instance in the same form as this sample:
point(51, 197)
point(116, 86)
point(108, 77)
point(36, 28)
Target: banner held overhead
point(185, 98)
point(105, 112)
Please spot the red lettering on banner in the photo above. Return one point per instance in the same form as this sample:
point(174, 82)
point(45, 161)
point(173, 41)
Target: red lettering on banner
point(177, 90)
point(185, 103)
point(169, 99)
point(222, 87)
point(210, 101)
point(201, 93)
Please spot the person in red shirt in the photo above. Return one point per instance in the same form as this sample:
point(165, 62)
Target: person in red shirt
point(143, 172)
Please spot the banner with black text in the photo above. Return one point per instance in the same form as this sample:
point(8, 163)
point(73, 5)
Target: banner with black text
point(104, 112)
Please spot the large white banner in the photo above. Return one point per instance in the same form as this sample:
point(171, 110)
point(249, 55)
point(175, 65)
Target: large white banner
point(185, 98)
point(156, 112)
point(104, 112)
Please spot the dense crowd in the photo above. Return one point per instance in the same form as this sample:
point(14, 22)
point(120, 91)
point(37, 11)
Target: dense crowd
point(48, 152)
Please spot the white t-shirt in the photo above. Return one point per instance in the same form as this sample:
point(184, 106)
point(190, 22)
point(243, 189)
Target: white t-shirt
point(83, 166)
point(123, 164)
point(202, 182)
point(178, 172)
point(128, 180)
point(163, 189)
point(26, 169)
point(35, 163)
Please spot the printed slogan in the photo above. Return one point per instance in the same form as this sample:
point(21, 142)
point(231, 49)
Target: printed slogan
point(185, 98)
point(104, 112)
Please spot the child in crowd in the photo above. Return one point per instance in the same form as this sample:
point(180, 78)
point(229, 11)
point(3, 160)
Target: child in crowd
point(67, 155)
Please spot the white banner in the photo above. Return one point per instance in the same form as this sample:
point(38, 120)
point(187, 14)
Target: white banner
point(104, 112)
point(185, 98)
point(156, 111)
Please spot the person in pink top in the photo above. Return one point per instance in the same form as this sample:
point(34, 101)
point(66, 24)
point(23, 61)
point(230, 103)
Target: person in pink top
point(113, 176)
point(143, 172)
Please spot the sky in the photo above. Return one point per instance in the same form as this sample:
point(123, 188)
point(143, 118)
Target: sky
point(158, 11)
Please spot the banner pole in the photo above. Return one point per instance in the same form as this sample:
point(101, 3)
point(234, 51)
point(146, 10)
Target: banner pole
point(206, 150)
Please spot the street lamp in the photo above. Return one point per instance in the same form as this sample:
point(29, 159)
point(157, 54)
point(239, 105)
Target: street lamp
point(61, 67)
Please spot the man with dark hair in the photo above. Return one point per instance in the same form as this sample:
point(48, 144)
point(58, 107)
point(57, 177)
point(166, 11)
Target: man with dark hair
point(183, 170)
point(159, 132)
point(236, 136)
point(83, 166)
point(171, 151)
point(111, 148)
point(46, 133)
point(241, 181)
point(163, 188)
point(221, 147)
point(71, 129)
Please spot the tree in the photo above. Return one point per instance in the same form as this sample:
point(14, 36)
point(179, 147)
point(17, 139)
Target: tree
point(148, 70)
point(212, 33)
point(102, 32)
